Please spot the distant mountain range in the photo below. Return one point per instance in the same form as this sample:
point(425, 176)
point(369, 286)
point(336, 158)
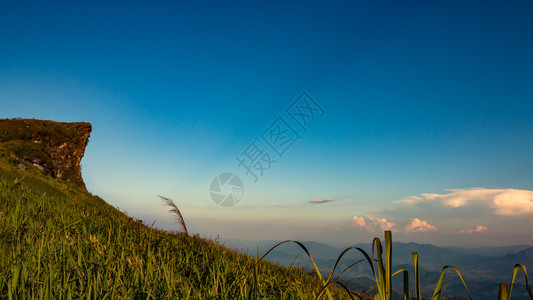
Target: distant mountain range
point(483, 269)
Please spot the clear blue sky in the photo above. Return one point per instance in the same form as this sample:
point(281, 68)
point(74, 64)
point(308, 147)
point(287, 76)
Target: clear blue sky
point(427, 130)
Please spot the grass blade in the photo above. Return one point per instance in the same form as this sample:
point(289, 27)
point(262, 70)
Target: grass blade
point(503, 294)
point(342, 254)
point(405, 282)
point(349, 267)
point(380, 277)
point(351, 294)
point(176, 213)
point(517, 268)
point(417, 276)
point(388, 257)
point(438, 288)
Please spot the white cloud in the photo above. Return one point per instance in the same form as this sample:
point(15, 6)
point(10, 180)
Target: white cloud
point(503, 202)
point(372, 223)
point(417, 225)
point(359, 221)
point(479, 228)
point(413, 200)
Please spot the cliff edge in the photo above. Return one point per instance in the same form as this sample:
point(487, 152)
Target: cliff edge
point(55, 148)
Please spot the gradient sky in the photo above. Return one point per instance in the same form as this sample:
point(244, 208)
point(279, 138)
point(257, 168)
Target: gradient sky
point(427, 130)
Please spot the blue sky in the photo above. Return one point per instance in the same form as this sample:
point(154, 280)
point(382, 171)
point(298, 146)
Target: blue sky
point(427, 129)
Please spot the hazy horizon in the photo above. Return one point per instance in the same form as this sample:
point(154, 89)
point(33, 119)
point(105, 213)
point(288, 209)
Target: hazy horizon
point(411, 117)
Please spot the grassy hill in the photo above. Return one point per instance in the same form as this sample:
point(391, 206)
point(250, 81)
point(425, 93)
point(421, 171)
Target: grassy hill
point(57, 241)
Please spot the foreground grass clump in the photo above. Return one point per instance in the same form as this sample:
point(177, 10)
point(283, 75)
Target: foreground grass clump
point(59, 242)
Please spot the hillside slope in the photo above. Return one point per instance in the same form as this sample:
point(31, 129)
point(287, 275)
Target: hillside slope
point(58, 241)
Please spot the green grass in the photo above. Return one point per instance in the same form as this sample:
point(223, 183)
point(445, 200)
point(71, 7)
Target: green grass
point(28, 129)
point(59, 242)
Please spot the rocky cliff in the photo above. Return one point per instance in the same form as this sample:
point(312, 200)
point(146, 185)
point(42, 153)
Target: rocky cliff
point(55, 148)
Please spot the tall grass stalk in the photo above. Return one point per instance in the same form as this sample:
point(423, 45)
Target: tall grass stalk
point(438, 287)
point(517, 268)
point(417, 276)
point(175, 213)
point(384, 274)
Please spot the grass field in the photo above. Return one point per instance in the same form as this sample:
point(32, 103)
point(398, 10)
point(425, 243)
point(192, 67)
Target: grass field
point(59, 242)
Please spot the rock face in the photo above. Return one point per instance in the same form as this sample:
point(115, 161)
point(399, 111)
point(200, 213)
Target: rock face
point(55, 148)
